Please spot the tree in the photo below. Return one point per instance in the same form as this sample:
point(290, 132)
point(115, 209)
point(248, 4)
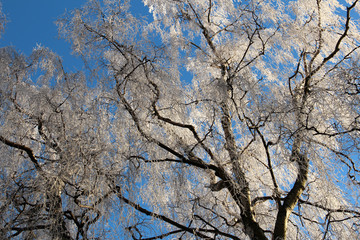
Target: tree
point(218, 119)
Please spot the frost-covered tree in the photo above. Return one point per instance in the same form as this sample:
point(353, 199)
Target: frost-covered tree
point(213, 119)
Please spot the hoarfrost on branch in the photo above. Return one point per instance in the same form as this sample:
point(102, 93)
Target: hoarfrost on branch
point(212, 119)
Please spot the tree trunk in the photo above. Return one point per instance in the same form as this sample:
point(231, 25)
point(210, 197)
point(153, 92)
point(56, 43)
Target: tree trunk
point(292, 198)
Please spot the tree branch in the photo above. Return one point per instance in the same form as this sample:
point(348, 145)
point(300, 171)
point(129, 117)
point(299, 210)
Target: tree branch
point(28, 151)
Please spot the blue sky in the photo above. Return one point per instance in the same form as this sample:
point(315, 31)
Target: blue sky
point(32, 22)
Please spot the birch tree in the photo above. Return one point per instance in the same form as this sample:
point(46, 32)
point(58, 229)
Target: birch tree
point(211, 119)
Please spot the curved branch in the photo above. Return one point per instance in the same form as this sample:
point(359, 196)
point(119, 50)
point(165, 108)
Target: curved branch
point(343, 35)
point(136, 206)
point(28, 151)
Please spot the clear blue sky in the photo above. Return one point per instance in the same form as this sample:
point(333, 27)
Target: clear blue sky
point(32, 22)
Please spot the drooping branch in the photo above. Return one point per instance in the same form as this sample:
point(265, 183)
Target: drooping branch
point(330, 210)
point(200, 232)
point(28, 151)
